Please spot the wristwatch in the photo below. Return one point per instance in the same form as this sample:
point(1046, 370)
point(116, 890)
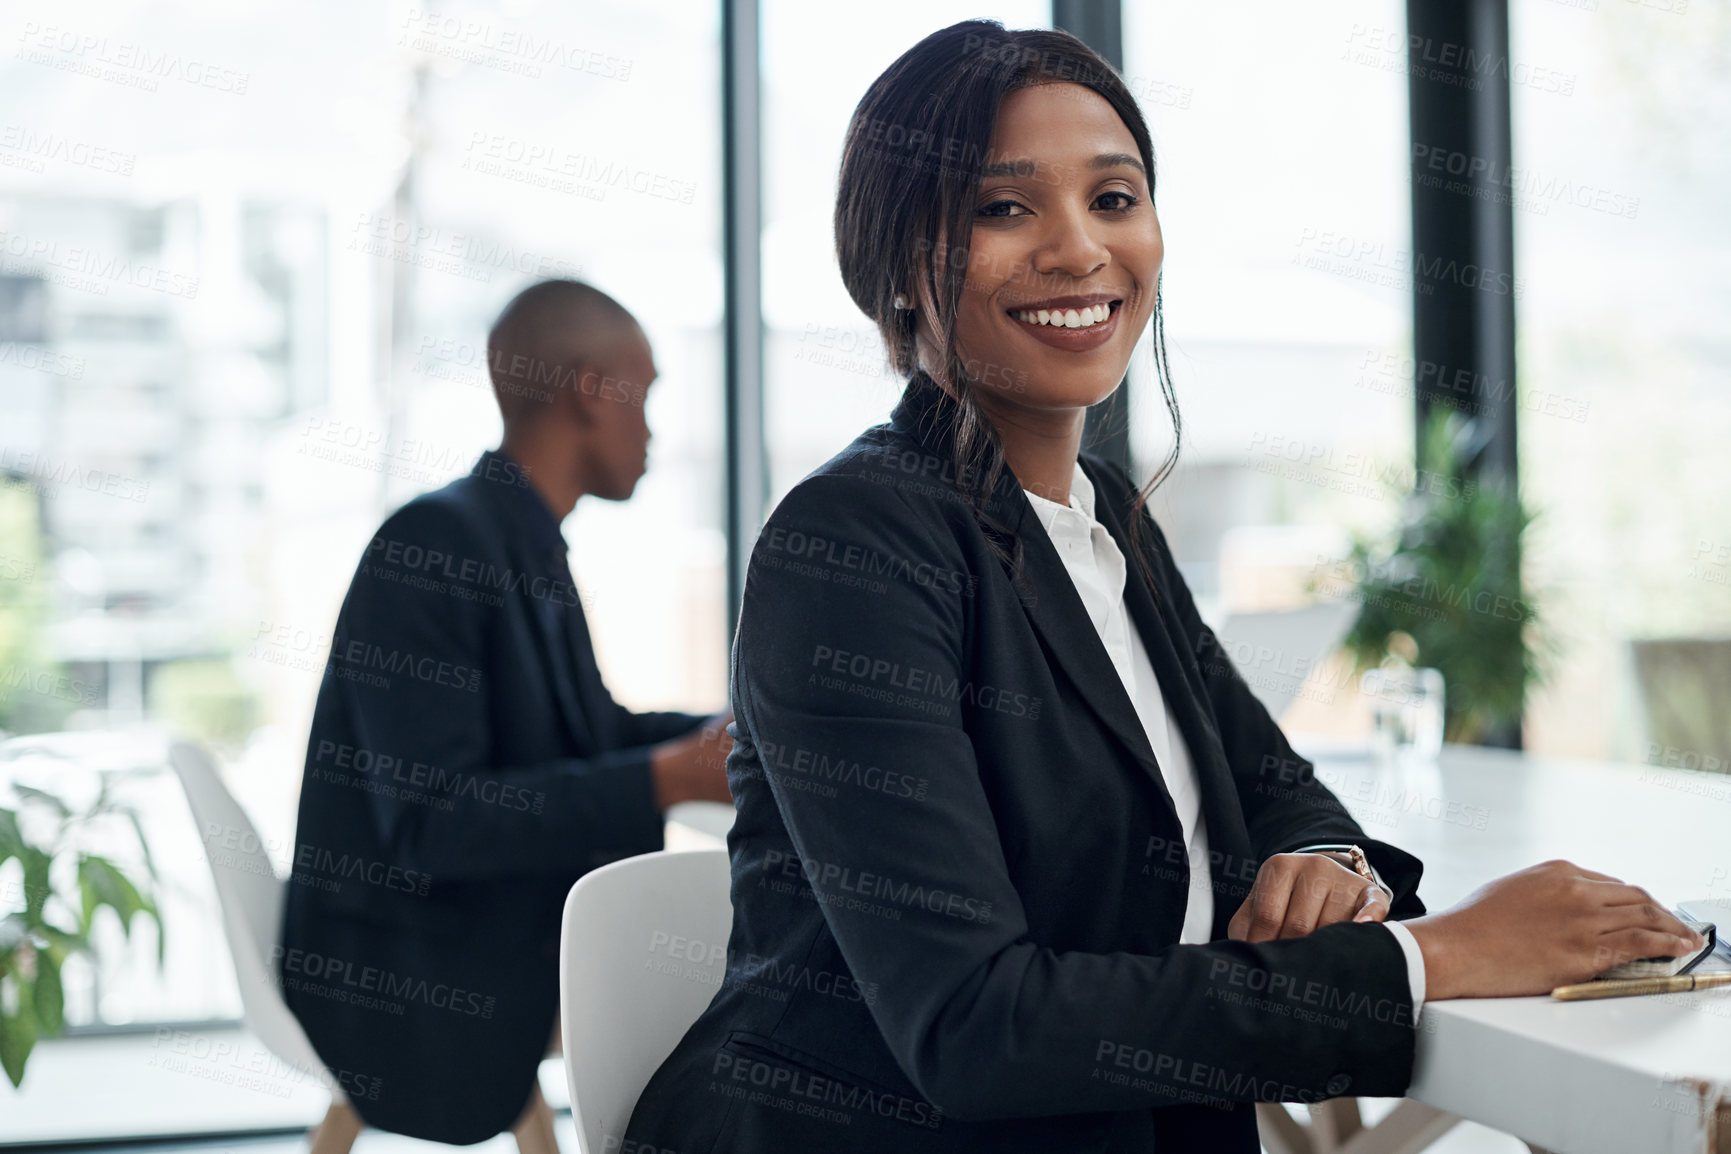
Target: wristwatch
point(1359, 862)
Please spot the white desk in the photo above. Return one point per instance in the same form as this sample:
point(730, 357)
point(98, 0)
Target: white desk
point(1628, 1076)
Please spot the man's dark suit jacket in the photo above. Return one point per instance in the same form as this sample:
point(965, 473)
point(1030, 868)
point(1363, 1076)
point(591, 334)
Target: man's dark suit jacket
point(958, 878)
point(466, 765)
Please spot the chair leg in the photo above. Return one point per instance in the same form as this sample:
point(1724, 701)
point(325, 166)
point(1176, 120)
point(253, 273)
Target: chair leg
point(1334, 1121)
point(337, 1133)
point(534, 1130)
point(1281, 1132)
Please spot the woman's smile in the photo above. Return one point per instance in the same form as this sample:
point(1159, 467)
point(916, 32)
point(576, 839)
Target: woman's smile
point(1076, 324)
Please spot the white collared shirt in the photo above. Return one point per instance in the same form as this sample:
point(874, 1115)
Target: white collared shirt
point(1098, 570)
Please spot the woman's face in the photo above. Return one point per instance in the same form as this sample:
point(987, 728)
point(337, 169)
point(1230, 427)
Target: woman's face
point(1064, 225)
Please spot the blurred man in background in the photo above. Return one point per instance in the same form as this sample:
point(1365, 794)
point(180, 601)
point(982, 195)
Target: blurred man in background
point(467, 764)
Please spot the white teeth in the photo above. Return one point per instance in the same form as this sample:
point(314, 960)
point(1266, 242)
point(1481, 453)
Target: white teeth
point(1066, 318)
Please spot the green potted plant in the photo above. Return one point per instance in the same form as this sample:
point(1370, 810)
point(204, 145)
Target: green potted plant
point(64, 884)
point(1444, 590)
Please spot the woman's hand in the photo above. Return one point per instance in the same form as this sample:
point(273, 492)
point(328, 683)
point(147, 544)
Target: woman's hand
point(1547, 926)
point(1296, 893)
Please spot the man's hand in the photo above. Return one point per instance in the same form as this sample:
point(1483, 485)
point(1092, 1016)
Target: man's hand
point(693, 767)
point(1296, 893)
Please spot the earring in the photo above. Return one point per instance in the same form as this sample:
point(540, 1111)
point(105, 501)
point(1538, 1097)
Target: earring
point(901, 302)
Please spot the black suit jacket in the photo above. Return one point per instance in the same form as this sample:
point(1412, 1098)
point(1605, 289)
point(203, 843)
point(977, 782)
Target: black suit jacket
point(958, 878)
point(466, 765)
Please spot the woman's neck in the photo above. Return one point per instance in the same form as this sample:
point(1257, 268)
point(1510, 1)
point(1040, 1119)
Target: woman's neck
point(1039, 446)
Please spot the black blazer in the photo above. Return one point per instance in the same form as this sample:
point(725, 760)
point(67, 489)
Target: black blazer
point(466, 765)
point(958, 878)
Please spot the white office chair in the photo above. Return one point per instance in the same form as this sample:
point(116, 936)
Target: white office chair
point(1276, 650)
point(251, 897)
point(642, 952)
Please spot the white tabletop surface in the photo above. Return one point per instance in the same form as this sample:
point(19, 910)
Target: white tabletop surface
point(1628, 1074)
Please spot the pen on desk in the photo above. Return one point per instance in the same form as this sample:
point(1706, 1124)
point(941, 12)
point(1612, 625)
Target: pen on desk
point(1631, 986)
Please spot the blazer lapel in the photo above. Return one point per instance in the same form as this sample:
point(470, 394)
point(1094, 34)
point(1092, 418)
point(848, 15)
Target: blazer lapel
point(1048, 595)
point(1180, 682)
point(547, 625)
point(1061, 621)
point(591, 690)
point(551, 635)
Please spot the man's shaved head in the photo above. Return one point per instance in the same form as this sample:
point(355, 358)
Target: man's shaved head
point(547, 330)
point(571, 370)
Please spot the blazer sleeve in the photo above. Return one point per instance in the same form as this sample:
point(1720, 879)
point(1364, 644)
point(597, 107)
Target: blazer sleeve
point(1285, 807)
point(648, 728)
point(656, 727)
point(413, 666)
point(983, 1020)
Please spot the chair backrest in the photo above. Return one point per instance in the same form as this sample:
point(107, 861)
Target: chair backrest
point(643, 950)
point(251, 897)
point(1298, 638)
point(1685, 688)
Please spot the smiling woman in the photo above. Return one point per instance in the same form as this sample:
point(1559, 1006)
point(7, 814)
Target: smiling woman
point(1104, 906)
point(1030, 146)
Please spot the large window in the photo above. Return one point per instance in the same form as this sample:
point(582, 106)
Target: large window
point(1280, 135)
point(247, 267)
point(1624, 248)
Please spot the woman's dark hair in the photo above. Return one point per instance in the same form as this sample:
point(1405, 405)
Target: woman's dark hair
point(910, 172)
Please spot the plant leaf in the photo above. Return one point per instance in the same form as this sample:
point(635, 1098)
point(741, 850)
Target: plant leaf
point(11, 841)
point(101, 884)
point(36, 886)
point(48, 998)
point(17, 1034)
